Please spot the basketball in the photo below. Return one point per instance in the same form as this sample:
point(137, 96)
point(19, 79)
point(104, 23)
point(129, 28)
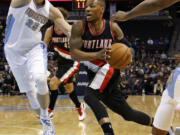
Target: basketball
point(121, 56)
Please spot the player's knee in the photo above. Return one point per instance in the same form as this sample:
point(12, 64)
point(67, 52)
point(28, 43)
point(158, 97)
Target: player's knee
point(128, 116)
point(69, 88)
point(40, 78)
point(41, 83)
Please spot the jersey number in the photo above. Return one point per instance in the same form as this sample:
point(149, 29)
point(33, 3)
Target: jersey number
point(9, 24)
point(31, 24)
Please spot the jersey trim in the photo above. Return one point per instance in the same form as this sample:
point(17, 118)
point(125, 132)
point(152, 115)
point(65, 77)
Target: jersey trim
point(102, 78)
point(98, 33)
point(112, 32)
point(83, 27)
point(62, 52)
point(70, 72)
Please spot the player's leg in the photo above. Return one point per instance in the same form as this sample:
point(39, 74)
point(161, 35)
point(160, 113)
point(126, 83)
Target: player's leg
point(26, 85)
point(92, 98)
point(24, 80)
point(65, 74)
point(37, 66)
point(54, 83)
point(117, 103)
point(163, 121)
point(114, 99)
point(72, 94)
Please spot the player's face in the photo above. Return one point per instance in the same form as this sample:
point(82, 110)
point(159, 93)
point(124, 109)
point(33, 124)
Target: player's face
point(94, 10)
point(39, 2)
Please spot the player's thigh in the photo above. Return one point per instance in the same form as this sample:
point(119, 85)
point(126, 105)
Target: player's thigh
point(54, 83)
point(164, 120)
point(37, 60)
point(23, 79)
point(177, 89)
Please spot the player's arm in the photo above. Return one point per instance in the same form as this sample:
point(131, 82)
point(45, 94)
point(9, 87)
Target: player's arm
point(19, 3)
point(58, 19)
point(76, 45)
point(118, 34)
point(48, 35)
point(144, 8)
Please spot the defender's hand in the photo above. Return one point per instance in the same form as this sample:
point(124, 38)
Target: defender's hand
point(120, 16)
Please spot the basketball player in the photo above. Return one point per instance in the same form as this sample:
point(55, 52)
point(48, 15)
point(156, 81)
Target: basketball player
point(66, 67)
point(170, 98)
point(144, 8)
point(26, 53)
point(90, 42)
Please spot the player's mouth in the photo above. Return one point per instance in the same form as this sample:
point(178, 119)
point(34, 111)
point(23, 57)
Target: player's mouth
point(88, 16)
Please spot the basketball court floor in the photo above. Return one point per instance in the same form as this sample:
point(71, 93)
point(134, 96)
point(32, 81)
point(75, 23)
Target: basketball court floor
point(17, 118)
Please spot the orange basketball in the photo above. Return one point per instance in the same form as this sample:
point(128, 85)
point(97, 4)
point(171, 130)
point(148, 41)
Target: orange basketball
point(121, 56)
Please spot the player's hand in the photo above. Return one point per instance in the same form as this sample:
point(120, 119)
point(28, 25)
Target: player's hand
point(104, 54)
point(120, 16)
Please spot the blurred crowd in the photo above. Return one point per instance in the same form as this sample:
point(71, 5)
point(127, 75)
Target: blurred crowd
point(147, 74)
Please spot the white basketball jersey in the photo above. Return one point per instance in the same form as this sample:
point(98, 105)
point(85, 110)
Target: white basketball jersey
point(23, 25)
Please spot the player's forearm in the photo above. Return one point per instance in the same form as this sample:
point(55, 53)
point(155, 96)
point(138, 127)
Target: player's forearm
point(148, 7)
point(63, 25)
point(79, 55)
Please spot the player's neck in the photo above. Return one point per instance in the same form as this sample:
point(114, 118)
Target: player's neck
point(97, 25)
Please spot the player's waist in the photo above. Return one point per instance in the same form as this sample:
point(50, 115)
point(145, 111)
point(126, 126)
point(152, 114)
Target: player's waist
point(62, 52)
point(94, 65)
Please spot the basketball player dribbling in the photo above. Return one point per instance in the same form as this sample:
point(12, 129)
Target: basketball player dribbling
point(171, 96)
point(90, 43)
point(66, 67)
point(26, 53)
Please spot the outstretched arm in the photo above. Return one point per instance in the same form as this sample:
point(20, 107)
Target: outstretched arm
point(76, 45)
point(58, 19)
point(144, 8)
point(19, 3)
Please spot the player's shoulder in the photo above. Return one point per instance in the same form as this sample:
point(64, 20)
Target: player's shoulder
point(19, 3)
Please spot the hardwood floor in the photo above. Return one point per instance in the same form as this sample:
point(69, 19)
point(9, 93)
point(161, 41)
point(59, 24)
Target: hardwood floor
point(17, 118)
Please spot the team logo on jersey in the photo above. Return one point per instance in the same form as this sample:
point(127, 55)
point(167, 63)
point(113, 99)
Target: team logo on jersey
point(38, 17)
point(95, 44)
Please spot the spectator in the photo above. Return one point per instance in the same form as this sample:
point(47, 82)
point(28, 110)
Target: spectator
point(158, 88)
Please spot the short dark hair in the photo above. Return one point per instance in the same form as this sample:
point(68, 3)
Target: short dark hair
point(103, 3)
point(64, 12)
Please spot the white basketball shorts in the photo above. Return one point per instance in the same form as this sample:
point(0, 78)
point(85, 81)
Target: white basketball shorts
point(26, 65)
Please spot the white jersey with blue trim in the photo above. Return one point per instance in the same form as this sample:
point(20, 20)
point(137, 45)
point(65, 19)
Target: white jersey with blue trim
point(23, 26)
point(173, 83)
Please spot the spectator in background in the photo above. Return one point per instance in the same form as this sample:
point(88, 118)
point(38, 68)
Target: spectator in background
point(158, 88)
point(163, 55)
point(150, 41)
point(1, 81)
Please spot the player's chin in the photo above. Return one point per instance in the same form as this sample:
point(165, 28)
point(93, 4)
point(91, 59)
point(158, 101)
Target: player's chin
point(89, 19)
